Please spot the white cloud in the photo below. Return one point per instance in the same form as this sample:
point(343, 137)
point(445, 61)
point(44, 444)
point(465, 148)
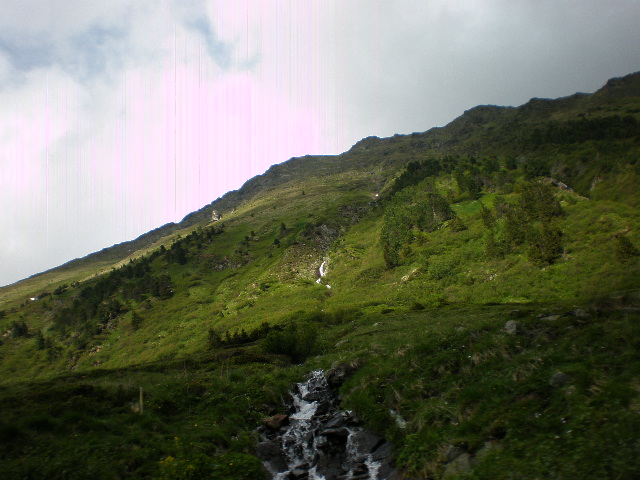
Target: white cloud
point(121, 116)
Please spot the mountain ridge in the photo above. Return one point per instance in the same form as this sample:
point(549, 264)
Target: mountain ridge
point(431, 141)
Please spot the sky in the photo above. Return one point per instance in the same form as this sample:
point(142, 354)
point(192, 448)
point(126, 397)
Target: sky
point(119, 116)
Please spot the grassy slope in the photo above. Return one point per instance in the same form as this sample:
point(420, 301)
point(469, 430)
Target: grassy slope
point(429, 334)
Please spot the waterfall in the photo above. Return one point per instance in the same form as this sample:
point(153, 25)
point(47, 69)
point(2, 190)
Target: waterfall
point(322, 272)
point(322, 442)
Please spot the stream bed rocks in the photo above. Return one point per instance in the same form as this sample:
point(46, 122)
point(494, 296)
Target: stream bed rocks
point(318, 441)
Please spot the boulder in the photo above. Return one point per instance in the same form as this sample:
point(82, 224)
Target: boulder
point(275, 422)
point(512, 327)
point(339, 373)
point(367, 441)
point(452, 452)
point(298, 474)
point(335, 422)
point(271, 453)
point(558, 379)
point(336, 434)
point(460, 466)
point(487, 448)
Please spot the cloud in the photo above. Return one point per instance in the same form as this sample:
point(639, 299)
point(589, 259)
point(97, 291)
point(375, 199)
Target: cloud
point(117, 117)
point(408, 65)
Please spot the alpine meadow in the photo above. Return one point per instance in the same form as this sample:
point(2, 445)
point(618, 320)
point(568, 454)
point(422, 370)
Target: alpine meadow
point(478, 286)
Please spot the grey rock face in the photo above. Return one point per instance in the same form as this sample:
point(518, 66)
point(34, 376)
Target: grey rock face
point(460, 465)
point(512, 327)
point(558, 379)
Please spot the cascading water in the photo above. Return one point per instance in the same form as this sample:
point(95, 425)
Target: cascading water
point(322, 271)
point(322, 442)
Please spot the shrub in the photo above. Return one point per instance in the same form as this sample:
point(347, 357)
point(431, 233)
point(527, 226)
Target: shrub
point(538, 202)
point(546, 245)
point(136, 321)
point(457, 225)
point(40, 343)
point(625, 250)
point(492, 248)
point(488, 218)
point(19, 329)
point(536, 167)
point(296, 341)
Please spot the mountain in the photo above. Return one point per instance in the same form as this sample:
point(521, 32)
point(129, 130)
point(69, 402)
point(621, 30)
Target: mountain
point(479, 280)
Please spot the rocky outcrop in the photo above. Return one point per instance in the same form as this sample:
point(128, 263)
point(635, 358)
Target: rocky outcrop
point(460, 462)
point(512, 327)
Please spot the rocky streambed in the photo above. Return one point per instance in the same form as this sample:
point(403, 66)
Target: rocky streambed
point(318, 441)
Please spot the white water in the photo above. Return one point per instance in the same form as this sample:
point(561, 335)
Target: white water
point(301, 441)
point(322, 271)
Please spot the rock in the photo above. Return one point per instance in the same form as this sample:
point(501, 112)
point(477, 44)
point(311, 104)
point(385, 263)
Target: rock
point(460, 466)
point(550, 318)
point(580, 313)
point(488, 447)
point(512, 327)
point(335, 422)
point(215, 216)
point(382, 453)
point(298, 474)
point(367, 442)
point(323, 407)
point(312, 397)
point(336, 434)
point(452, 452)
point(275, 422)
point(271, 453)
point(558, 379)
point(400, 422)
point(338, 374)
point(383, 456)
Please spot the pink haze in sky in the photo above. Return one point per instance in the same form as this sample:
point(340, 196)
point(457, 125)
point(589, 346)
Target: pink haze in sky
point(176, 119)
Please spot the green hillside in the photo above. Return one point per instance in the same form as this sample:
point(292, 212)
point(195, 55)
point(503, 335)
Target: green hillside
point(483, 277)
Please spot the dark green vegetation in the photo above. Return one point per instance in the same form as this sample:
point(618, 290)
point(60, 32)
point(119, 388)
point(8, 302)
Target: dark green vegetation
point(432, 243)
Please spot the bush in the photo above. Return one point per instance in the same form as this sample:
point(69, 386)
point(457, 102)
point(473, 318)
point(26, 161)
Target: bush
point(457, 225)
point(19, 329)
point(536, 167)
point(625, 250)
point(296, 341)
point(546, 245)
point(40, 342)
point(136, 321)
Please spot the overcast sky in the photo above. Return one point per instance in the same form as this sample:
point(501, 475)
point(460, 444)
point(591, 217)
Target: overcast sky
point(119, 116)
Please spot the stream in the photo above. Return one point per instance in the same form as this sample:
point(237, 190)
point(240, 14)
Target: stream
point(317, 441)
point(322, 271)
